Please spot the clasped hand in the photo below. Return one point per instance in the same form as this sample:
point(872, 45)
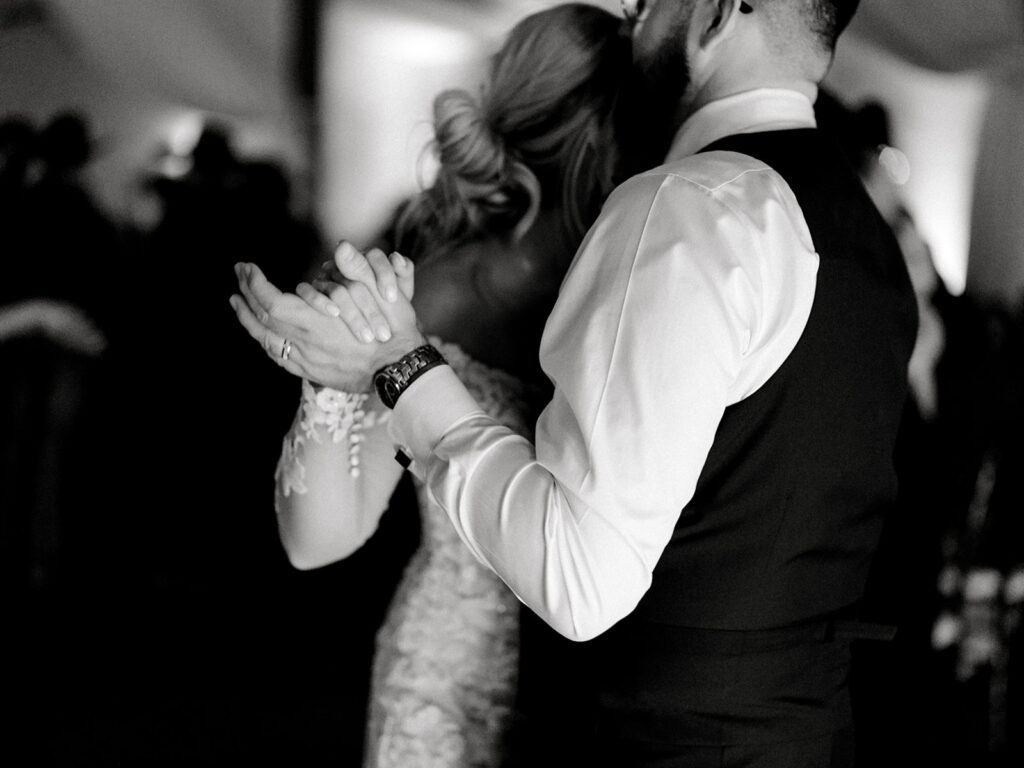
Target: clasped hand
point(354, 319)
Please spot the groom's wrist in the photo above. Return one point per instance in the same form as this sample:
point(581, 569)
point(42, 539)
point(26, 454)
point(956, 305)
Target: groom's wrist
point(425, 413)
point(410, 358)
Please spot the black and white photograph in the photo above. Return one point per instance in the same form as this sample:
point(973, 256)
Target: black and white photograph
point(512, 383)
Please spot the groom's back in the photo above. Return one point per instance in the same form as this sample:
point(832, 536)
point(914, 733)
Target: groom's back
point(734, 643)
point(792, 497)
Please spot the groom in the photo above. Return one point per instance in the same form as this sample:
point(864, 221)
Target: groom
point(729, 350)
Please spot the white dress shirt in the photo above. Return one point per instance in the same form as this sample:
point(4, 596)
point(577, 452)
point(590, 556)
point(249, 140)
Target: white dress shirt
point(687, 294)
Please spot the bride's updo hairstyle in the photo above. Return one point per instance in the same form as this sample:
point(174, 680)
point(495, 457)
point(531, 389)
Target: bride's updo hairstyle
point(543, 132)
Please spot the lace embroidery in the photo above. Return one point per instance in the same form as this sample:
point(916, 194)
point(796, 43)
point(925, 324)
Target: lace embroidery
point(341, 414)
point(290, 475)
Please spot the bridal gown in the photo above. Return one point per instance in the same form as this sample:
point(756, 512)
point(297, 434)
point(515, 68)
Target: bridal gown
point(445, 668)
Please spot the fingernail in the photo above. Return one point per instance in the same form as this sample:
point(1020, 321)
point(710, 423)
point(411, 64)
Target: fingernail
point(345, 249)
point(367, 336)
point(333, 311)
point(398, 259)
point(383, 334)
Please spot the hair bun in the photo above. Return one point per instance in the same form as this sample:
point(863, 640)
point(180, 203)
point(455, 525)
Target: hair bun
point(472, 157)
point(468, 149)
point(480, 186)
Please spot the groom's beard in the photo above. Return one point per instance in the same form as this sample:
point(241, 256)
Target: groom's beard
point(658, 89)
point(662, 76)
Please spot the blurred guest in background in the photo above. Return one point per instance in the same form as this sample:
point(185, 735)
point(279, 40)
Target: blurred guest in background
point(61, 244)
point(981, 584)
point(908, 703)
point(58, 321)
point(58, 251)
point(16, 148)
point(130, 488)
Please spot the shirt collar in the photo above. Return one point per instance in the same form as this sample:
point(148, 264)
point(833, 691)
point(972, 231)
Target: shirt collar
point(764, 109)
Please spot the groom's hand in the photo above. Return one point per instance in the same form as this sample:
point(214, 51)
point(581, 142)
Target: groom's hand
point(391, 274)
point(314, 345)
point(389, 281)
point(344, 288)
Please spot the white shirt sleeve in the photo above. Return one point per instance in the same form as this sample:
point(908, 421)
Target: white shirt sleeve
point(661, 323)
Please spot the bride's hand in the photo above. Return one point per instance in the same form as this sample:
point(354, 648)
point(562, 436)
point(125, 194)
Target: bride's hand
point(314, 345)
point(351, 286)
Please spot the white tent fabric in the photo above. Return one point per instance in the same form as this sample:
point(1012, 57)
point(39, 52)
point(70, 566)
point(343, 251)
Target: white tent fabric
point(947, 35)
point(227, 56)
point(148, 73)
point(986, 36)
point(996, 265)
point(230, 57)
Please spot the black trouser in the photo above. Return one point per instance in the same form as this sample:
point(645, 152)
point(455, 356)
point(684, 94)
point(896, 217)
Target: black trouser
point(649, 695)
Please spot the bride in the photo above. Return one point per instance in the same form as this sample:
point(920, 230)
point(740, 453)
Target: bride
point(523, 172)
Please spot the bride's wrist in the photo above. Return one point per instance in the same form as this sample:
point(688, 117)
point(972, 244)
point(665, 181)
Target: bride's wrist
point(343, 415)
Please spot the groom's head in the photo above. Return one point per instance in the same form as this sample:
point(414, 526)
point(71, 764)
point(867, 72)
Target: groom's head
point(691, 51)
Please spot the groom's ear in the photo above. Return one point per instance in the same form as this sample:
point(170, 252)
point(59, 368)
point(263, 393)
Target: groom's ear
point(713, 19)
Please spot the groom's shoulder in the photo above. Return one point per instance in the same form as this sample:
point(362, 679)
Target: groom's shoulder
point(716, 173)
point(709, 170)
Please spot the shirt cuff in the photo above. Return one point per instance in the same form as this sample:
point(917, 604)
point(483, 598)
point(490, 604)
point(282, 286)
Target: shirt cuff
point(426, 411)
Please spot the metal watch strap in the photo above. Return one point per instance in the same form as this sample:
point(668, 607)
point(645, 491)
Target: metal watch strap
point(393, 379)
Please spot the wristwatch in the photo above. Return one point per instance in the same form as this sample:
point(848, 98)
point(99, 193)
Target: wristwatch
point(393, 379)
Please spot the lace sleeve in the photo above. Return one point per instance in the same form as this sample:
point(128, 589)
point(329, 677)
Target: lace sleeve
point(324, 413)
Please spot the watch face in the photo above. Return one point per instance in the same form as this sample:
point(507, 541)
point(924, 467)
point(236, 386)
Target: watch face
point(391, 387)
point(387, 390)
point(392, 380)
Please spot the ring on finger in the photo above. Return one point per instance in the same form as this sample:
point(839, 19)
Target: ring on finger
point(286, 349)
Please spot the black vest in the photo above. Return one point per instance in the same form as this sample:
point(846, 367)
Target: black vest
point(781, 529)
point(791, 500)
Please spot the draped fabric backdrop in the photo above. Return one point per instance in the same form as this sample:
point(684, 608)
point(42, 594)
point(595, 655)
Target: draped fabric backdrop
point(984, 38)
point(218, 55)
point(996, 266)
point(148, 73)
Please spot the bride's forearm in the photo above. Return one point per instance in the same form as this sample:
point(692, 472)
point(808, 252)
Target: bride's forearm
point(333, 482)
